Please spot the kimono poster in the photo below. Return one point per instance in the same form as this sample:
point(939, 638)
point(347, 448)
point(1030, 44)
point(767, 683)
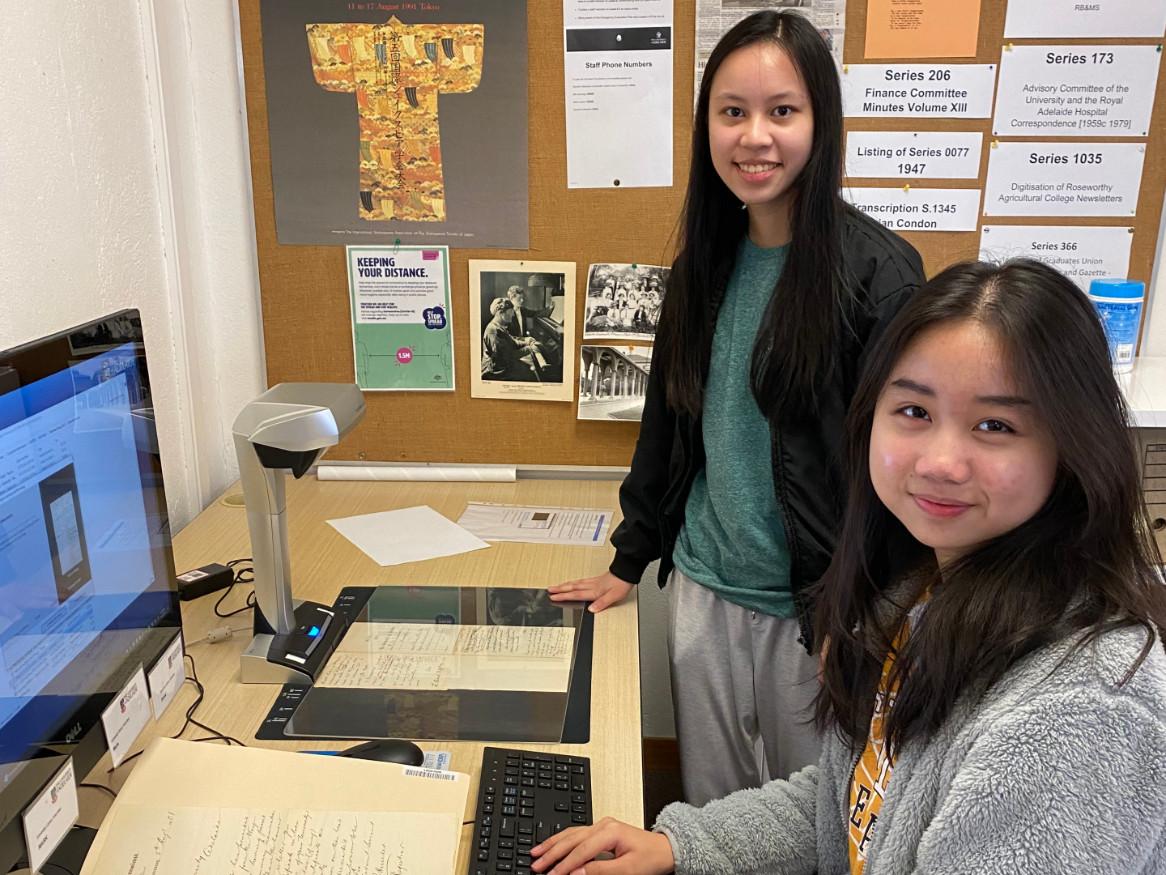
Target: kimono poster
point(398, 122)
point(401, 332)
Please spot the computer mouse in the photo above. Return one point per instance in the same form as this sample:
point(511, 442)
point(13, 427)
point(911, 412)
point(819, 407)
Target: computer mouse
point(387, 750)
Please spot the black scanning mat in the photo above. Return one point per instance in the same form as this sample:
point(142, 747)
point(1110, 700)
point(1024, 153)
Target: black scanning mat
point(302, 711)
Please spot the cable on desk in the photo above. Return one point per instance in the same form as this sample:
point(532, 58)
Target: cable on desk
point(216, 636)
point(108, 790)
point(190, 721)
point(243, 574)
point(24, 864)
point(215, 735)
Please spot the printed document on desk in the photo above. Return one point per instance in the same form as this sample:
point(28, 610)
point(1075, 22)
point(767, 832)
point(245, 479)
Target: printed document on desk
point(578, 526)
point(412, 534)
point(190, 808)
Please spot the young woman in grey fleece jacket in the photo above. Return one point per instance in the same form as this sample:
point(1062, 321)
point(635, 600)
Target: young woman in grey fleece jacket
point(994, 680)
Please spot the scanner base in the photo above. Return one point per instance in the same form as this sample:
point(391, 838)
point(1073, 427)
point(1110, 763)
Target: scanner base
point(300, 655)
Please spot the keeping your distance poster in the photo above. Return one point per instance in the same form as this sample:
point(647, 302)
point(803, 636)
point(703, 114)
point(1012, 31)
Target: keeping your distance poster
point(402, 337)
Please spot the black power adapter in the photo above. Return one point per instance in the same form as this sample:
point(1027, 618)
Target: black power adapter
point(204, 579)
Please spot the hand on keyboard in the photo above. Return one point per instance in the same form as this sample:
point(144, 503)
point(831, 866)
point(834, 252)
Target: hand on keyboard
point(635, 850)
point(525, 797)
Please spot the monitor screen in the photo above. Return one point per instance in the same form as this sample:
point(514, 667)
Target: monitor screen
point(87, 588)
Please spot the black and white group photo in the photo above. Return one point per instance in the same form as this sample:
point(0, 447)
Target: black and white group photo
point(623, 300)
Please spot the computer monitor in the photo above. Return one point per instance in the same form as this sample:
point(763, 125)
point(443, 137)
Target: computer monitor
point(87, 581)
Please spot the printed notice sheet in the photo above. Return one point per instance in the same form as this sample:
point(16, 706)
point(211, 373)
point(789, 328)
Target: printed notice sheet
point(1081, 252)
point(1076, 91)
point(914, 154)
point(918, 90)
point(919, 209)
point(618, 75)
point(402, 336)
point(922, 28)
point(1027, 19)
point(426, 656)
point(1063, 179)
point(186, 841)
point(714, 17)
point(580, 526)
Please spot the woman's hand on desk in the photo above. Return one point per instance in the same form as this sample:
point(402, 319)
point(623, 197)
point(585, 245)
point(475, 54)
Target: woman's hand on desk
point(637, 852)
point(602, 591)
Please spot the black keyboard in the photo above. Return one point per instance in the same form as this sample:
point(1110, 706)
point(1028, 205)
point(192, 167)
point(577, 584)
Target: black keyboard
point(524, 797)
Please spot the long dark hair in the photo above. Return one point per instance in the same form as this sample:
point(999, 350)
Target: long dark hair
point(1082, 565)
point(796, 338)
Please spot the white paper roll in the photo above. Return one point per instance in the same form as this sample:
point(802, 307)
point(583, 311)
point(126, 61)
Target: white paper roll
point(490, 473)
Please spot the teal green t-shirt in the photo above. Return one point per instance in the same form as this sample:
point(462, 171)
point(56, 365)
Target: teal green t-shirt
point(733, 540)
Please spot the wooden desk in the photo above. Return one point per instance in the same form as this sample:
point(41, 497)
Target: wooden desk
point(323, 562)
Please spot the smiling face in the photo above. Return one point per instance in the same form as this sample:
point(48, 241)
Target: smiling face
point(957, 452)
point(761, 131)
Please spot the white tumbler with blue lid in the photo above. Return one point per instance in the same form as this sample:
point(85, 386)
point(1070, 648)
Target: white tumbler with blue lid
point(1119, 304)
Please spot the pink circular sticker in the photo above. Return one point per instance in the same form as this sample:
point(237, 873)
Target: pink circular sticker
point(404, 355)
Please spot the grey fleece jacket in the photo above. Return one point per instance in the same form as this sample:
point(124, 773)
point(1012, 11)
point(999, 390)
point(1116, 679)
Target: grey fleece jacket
point(1056, 770)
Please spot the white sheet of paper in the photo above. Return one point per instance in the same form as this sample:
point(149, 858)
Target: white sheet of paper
point(186, 841)
point(412, 534)
point(914, 154)
point(51, 816)
point(126, 717)
point(167, 676)
point(1081, 252)
point(1063, 179)
point(1027, 19)
point(1076, 91)
point(581, 526)
point(918, 90)
point(617, 69)
point(919, 209)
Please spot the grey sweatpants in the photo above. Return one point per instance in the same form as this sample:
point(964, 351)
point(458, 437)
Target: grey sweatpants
point(742, 689)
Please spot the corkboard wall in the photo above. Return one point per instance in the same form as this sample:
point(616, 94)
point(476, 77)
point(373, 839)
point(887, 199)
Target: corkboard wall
point(306, 315)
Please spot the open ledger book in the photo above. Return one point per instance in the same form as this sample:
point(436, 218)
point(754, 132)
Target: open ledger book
point(205, 809)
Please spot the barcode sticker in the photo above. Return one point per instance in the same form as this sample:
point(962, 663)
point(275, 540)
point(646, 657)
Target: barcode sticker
point(429, 773)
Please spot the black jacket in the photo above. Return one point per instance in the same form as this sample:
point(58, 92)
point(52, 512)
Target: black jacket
point(884, 270)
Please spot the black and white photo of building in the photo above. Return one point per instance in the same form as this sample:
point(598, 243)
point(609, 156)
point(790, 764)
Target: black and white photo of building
point(613, 381)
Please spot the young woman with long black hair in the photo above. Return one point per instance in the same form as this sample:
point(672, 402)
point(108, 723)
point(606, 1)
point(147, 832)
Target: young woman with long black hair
point(778, 288)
